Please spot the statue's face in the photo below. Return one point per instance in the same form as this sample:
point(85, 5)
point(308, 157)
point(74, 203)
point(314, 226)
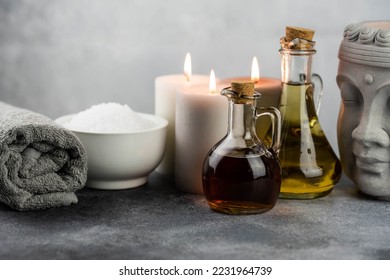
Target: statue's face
point(364, 126)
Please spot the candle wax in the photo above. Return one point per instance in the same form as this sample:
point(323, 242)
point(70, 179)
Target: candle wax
point(201, 121)
point(165, 100)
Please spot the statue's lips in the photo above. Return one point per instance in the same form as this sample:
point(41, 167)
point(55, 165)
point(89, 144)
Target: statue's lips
point(371, 164)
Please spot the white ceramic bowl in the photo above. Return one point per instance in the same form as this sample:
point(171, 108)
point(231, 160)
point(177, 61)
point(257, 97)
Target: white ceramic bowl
point(122, 160)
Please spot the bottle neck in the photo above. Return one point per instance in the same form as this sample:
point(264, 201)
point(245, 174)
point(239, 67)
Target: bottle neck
point(242, 120)
point(296, 66)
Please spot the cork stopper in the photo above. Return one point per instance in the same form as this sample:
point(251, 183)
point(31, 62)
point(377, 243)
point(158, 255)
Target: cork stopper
point(298, 38)
point(299, 32)
point(243, 88)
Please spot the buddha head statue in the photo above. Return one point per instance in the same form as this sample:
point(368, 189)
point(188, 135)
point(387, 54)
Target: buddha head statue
point(363, 127)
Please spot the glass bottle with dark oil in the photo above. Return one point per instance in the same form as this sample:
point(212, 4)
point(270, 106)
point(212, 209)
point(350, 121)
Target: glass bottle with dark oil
point(240, 174)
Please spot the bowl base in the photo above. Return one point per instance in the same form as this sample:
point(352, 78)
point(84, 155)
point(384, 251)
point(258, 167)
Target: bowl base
point(116, 185)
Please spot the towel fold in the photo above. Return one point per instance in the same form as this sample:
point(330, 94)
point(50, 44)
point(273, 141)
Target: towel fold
point(41, 163)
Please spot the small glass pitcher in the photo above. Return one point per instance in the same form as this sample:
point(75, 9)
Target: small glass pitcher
point(241, 175)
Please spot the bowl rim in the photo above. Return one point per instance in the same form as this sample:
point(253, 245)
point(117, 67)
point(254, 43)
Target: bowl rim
point(160, 124)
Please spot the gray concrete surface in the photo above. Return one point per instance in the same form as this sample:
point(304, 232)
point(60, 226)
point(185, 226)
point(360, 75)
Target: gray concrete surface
point(158, 222)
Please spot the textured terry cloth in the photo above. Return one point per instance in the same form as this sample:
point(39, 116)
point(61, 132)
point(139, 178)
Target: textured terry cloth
point(41, 163)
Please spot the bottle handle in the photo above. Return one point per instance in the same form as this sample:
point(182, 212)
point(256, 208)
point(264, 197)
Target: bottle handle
point(275, 117)
point(318, 88)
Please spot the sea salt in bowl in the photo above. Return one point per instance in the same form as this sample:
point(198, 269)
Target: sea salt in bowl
point(120, 160)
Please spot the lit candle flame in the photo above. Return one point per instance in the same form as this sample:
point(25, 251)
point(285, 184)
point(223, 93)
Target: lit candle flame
point(255, 75)
point(213, 83)
point(188, 67)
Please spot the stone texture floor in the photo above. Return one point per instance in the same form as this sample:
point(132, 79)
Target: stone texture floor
point(156, 221)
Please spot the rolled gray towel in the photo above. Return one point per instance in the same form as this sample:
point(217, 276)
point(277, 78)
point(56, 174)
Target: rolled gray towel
point(41, 163)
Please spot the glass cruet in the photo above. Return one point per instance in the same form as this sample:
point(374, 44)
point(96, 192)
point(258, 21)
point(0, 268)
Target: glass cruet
point(310, 168)
point(240, 174)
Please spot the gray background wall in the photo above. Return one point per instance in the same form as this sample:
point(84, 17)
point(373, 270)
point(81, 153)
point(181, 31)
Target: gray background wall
point(60, 57)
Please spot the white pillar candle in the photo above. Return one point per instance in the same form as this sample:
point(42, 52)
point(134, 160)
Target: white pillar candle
point(164, 106)
point(201, 121)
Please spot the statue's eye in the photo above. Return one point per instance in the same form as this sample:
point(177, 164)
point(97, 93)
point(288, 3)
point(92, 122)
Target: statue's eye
point(351, 95)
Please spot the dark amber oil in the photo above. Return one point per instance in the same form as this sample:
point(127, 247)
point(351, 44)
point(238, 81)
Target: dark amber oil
point(241, 181)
